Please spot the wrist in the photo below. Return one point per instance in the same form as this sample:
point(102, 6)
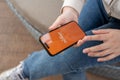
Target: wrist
point(71, 10)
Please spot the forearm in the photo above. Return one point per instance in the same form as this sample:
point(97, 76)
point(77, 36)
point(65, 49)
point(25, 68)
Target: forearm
point(75, 4)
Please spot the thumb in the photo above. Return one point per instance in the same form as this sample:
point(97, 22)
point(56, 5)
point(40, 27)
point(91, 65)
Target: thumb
point(59, 21)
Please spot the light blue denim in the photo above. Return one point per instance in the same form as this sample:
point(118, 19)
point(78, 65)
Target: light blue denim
point(72, 63)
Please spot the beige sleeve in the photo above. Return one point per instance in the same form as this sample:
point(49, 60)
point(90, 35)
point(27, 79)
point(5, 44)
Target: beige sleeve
point(76, 4)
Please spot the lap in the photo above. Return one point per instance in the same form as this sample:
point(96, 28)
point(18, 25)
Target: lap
point(67, 61)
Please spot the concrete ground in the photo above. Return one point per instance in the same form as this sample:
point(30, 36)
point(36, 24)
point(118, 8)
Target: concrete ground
point(16, 42)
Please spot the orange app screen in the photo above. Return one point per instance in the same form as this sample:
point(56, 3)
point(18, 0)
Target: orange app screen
point(61, 38)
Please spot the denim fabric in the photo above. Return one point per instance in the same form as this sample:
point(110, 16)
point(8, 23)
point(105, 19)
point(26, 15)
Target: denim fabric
point(72, 63)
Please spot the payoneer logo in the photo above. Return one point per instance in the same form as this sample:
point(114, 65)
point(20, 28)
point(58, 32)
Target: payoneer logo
point(62, 37)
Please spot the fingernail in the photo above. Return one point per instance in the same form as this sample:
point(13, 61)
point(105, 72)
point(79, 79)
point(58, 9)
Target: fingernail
point(85, 38)
point(85, 51)
point(49, 28)
point(99, 60)
point(80, 41)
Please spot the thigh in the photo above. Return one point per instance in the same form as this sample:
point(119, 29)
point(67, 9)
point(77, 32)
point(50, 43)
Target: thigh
point(93, 15)
point(40, 64)
point(79, 60)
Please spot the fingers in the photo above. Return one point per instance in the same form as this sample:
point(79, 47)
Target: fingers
point(80, 42)
point(105, 51)
point(59, 21)
point(101, 31)
point(100, 53)
point(105, 55)
point(107, 58)
point(99, 37)
point(97, 48)
point(68, 14)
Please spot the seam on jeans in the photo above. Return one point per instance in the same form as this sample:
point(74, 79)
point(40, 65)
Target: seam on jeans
point(102, 64)
point(96, 65)
point(70, 67)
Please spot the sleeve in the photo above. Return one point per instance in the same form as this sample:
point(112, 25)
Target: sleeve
point(76, 4)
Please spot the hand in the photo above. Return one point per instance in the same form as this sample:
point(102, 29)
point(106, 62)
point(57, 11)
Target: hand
point(109, 49)
point(68, 14)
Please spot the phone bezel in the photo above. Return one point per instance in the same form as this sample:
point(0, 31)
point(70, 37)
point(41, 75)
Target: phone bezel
point(64, 48)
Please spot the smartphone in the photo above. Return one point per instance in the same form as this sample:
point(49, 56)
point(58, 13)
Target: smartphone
point(61, 38)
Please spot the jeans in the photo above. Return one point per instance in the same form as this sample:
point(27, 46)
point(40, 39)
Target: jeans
point(72, 63)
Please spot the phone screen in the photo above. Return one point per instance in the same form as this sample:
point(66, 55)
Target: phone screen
point(62, 38)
